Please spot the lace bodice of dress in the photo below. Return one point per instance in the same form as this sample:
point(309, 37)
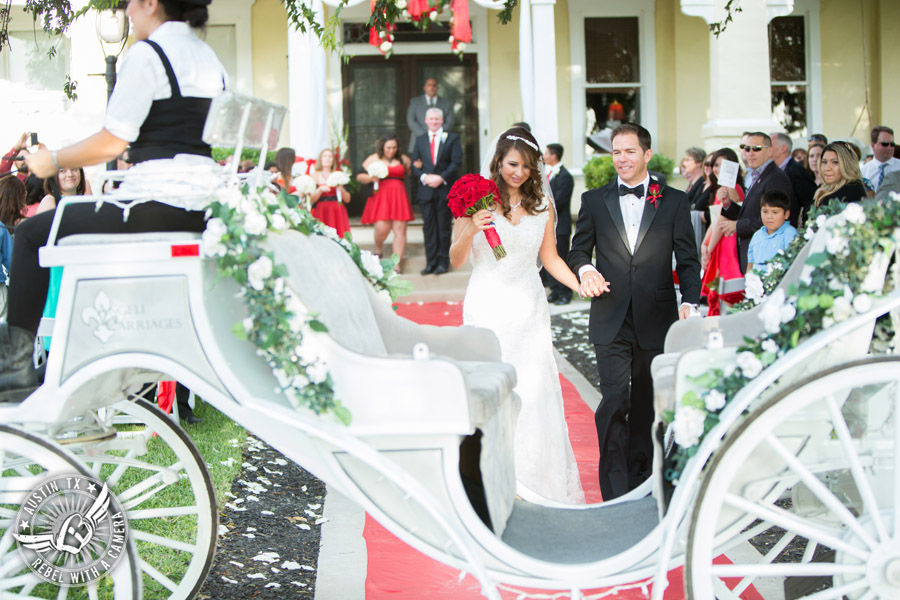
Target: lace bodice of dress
point(522, 243)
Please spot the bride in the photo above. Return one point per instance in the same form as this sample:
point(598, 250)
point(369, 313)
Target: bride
point(507, 297)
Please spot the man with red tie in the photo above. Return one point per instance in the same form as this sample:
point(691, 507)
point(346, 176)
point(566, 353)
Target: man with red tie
point(437, 158)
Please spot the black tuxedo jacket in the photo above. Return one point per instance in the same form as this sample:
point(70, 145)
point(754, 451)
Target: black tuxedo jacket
point(643, 280)
point(562, 185)
point(803, 185)
point(748, 216)
point(449, 162)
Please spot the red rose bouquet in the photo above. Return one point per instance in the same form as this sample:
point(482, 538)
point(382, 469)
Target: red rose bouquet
point(470, 194)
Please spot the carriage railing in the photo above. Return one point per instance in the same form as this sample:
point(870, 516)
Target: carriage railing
point(675, 523)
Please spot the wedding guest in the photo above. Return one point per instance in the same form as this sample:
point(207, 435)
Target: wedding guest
point(9, 162)
point(692, 171)
point(388, 209)
point(814, 154)
point(418, 107)
point(803, 185)
point(328, 201)
point(561, 185)
point(440, 155)
point(284, 160)
point(6, 247)
point(799, 155)
point(816, 138)
point(884, 161)
point(776, 233)
point(702, 201)
point(719, 252)
point(841, 177)
point(764, 176)
point(34, 193)
point(890, 185)
point(71, 182)
point(745, 141)
point(12, 201)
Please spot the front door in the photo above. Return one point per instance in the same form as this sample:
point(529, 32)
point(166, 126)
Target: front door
point(377, 92)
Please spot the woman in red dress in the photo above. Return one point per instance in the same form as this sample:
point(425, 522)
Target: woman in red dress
point(388, 208)
point(719, 254)
point(328, 201)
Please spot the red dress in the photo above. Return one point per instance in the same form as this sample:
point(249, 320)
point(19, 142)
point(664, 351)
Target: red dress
point(389, 203)
point(331, 212)
point(724, 264)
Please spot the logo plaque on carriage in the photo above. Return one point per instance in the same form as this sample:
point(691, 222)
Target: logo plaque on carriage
point(71, 530)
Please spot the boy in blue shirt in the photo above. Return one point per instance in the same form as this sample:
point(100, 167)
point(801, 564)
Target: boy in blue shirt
point(775, 234)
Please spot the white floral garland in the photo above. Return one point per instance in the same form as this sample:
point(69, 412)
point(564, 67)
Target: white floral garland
point(823, 299)
point(239, 220)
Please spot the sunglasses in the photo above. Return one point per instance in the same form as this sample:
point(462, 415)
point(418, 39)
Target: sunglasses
point(753, 148)
point(887, 144)
point(816, 138)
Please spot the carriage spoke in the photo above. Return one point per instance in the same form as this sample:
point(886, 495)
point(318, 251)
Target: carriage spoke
point(155, 574)
point(896, 466)
point(809, 552)
point(768, 559)
point(154, 513)
point(786, 520)
point(815, 569)
point(821, 492)
point(856, 468)
point(161, 541)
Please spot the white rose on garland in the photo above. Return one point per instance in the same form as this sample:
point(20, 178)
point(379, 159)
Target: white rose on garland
point(372, 264)
point(337, 178)
point(211, 240)
point(854, 213)
point(753, 287)
point(862, 303)
point(749, 364)
point(715, 400)
point(842, 309)
point(688, 425)
point(258, 272)
point(255, 223)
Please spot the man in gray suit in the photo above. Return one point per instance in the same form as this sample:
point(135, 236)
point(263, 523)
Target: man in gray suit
point(415, 115)
point(890, 184)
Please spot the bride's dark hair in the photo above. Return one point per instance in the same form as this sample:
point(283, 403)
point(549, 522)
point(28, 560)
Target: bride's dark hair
point(532, 195)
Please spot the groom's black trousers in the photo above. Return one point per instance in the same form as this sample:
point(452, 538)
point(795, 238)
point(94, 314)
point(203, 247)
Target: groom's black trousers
point(624, 417)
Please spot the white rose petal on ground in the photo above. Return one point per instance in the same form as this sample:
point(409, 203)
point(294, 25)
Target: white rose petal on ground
point(267, 557)
point(290, 565)
point(256, 576)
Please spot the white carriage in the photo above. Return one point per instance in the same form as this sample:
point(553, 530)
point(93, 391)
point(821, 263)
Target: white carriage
point(794, 493)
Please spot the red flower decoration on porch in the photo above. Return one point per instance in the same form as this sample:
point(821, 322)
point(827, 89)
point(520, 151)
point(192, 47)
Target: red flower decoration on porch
point(654, 193)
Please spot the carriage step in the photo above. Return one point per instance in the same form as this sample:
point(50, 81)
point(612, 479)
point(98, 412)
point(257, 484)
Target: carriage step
point(800, 587)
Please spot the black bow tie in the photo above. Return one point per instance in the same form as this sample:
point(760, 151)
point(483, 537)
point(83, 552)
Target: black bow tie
point(638, 191)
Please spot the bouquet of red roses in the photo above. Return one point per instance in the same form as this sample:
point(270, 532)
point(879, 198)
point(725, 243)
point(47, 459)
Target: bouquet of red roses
point(470, 194)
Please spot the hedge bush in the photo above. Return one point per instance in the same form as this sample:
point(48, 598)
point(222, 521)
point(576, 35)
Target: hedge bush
point(600, 171)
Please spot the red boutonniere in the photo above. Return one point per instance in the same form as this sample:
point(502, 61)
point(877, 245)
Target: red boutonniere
point(654, 193)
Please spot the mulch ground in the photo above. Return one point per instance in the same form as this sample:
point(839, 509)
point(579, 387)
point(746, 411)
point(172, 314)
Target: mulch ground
point(269, 531)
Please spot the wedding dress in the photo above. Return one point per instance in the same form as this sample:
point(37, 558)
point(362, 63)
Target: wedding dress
point(506, 296)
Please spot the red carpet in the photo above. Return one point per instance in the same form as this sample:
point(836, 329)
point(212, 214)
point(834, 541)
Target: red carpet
point(399, 572)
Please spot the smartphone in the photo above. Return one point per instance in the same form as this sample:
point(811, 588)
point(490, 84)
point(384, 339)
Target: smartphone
point(34, 139)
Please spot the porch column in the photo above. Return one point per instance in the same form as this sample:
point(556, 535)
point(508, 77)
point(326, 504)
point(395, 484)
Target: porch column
point(546, 117)
point(740, 86)
point(307, 101)
point(526, 61)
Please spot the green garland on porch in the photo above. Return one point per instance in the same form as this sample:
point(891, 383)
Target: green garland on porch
point(831, 294)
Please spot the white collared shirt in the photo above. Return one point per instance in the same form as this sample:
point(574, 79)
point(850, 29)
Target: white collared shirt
point(632, 211)
point(554, 170)
point(871, 169)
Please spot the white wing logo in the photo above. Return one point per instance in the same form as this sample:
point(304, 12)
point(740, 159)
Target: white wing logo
point(76, 532)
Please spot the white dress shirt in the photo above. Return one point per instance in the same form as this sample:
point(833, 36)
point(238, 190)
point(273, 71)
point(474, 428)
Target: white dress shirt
point(437, 135)
point(870, 169)
point(554, 170)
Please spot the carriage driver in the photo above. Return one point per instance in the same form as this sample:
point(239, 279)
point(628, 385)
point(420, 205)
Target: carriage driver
point(159, 108)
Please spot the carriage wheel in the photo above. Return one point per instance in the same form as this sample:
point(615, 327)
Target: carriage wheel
point(803, 499)
point(25, 462)
point(162, 481)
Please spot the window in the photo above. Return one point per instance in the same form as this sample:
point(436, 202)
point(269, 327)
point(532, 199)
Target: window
point(612, 72)
point(788, 73)
point(27, 60)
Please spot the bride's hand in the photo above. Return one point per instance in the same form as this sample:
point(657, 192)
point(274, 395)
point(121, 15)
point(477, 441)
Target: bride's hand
point(482, 219)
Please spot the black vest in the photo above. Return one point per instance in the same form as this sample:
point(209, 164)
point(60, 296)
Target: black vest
point(174, 125)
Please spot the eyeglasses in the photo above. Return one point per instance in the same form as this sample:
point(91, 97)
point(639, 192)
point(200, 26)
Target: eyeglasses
point(749, 148)
point(887, 144)
point(817, 137)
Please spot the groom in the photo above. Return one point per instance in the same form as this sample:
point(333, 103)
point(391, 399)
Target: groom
point(634, 224)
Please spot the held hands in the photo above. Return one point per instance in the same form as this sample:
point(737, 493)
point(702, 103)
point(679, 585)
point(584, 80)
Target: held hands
point(593, 284)
point(433, 181)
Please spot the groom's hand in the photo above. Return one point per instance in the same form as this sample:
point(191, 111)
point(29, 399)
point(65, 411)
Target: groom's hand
point(593, 284)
